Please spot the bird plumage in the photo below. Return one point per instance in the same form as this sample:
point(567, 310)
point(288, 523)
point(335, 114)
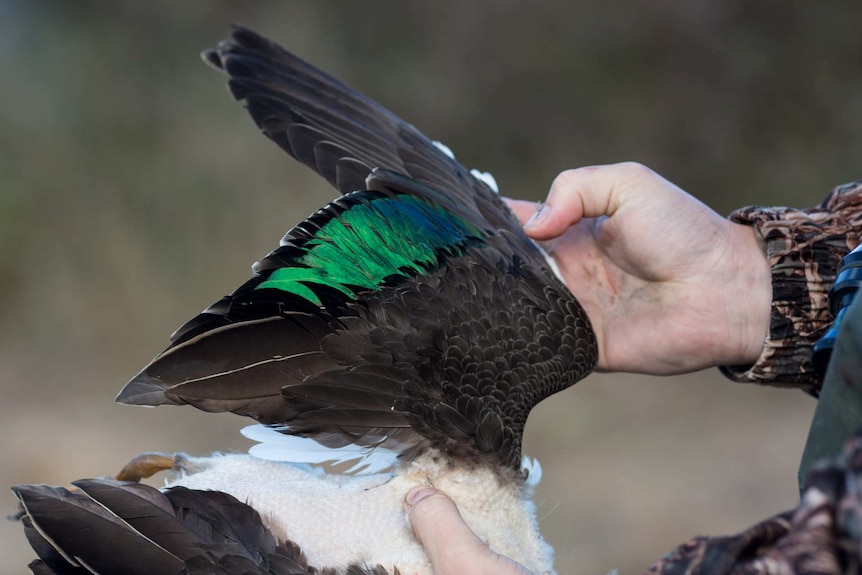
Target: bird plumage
point(412, 313)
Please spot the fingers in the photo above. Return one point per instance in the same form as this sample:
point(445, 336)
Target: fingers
point(439, 527)
point(589, 192)
point(451, 545)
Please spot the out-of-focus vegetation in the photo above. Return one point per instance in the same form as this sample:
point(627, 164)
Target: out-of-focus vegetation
point(134, 192)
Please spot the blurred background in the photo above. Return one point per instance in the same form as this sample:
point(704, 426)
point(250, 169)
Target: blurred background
point(134, 192)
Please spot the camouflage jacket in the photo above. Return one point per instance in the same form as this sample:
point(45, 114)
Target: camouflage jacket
point(823, 535)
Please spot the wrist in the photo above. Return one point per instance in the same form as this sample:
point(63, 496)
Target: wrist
point(750, 302)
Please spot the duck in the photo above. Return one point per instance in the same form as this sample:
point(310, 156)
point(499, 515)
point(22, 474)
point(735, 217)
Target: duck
point(405, 329)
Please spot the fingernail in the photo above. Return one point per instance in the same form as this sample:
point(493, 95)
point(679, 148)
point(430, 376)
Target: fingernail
point(417, 494)
point(536, 219)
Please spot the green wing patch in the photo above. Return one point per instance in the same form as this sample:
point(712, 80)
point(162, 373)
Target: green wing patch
point(371, 241)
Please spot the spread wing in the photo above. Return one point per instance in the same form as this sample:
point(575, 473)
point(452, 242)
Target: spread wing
point(411, 312)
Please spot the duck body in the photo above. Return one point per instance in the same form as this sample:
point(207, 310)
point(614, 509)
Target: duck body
point(348, 520)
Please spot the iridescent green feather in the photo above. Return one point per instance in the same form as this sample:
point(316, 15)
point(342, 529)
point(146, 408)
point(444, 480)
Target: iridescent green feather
point(371, 241)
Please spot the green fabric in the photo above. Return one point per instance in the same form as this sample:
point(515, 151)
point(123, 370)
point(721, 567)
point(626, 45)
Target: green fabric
point(839, 410)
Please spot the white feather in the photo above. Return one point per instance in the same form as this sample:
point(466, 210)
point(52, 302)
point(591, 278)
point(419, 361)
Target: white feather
point(533, 468)
point(275, 446)
point(486, 177)
point(444, 148)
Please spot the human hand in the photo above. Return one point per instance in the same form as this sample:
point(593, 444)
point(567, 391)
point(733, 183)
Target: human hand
point(669, 285)
point(450, 543)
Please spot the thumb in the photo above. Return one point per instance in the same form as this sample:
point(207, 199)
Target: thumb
point(589, 192)
point(524, 209)
point(451, 545)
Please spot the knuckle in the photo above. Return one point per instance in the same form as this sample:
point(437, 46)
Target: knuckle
point(636, 170)
point(565, 179)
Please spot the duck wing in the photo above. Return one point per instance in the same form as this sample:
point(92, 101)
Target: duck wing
point(150, 532)
point(411, 312)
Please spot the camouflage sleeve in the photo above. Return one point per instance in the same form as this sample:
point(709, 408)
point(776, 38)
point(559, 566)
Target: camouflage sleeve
point(804, 248)
point(822, 536)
